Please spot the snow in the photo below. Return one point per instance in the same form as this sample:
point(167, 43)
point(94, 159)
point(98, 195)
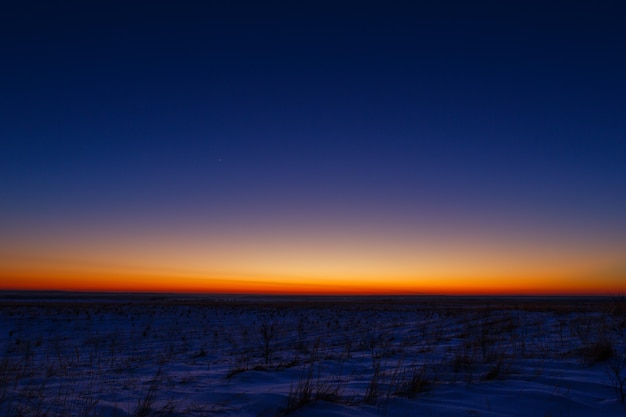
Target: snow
point(195, 356)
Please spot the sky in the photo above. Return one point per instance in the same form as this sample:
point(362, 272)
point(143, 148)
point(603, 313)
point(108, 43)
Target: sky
point(314, 147)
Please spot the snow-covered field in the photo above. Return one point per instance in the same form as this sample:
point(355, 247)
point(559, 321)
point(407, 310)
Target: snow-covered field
point(144, 356)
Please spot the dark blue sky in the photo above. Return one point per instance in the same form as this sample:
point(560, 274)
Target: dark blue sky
point(478, 115)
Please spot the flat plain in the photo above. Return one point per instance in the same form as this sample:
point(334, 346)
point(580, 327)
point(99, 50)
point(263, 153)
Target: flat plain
point(178, 355)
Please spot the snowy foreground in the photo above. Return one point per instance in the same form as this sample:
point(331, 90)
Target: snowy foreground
point(175, 356)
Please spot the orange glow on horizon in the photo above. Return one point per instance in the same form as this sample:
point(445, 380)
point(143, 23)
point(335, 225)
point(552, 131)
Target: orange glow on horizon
point(82, 280)
point(313, 264)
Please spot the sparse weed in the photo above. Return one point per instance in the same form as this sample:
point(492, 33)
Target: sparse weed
point(599, 351)
point(72, 366)
point(311, 387)
point(415, 381)
point(617, 375)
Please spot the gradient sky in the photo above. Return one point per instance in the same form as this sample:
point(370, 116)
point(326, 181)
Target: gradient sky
point(442, 147)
